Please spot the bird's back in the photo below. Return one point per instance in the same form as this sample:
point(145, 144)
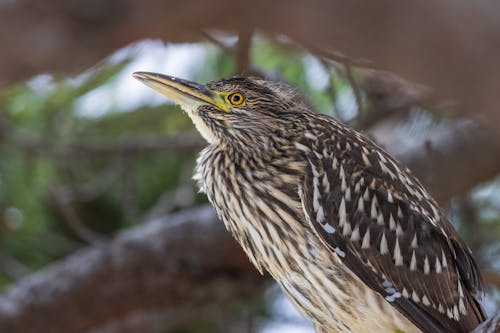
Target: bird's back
point(389, 230)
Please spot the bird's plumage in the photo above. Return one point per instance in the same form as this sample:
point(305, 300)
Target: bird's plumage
point(351, 236)
point(377, 217)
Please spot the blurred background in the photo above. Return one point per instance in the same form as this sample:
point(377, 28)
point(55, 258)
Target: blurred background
point(102, 228)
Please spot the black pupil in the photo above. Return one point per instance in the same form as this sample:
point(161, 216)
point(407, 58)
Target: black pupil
point(236, 98)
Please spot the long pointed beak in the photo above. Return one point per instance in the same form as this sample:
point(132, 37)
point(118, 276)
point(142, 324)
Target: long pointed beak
point(189, 95)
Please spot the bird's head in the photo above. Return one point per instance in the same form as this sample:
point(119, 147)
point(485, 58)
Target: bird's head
point(238, 110)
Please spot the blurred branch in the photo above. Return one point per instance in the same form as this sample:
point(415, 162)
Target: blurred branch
point(387, 91)
point(240, 51)
point(490, 325)
point(449, 163)
point(168, 319)
point(175, 261)
point(182, 196)
point(355, 88)
point(12, 268)
point(243, 50)
point(73, 220)
point(338, 57)
point(128, 197)
point(179, 143)
point(172, 319)
point(93, 188)
point(454, 161)
point(388, 96)
point(214, 40)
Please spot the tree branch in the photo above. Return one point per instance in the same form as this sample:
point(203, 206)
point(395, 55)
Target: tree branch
point(455, 160)
point(181, 260)
point(355, 88)
point(490, 325)
point(12, 268)
point(72, 219)
point(132, 146)
point(388, 95)
point(242, 55)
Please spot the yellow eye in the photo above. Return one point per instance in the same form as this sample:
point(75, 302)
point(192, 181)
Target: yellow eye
point(235, 99)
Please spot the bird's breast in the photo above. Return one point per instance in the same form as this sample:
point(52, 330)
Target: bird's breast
point(263, 211)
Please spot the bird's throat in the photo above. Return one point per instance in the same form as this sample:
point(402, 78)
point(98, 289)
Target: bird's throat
point(201, 126)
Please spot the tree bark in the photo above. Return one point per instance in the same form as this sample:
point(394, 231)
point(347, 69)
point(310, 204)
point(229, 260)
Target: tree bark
point(183, 260)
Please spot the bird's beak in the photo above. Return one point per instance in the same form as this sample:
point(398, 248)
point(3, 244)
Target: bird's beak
point(189, 95)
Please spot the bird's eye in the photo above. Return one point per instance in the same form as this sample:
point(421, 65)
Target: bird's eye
point(235, 99)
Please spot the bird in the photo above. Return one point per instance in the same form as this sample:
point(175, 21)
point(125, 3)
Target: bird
point(348, 232)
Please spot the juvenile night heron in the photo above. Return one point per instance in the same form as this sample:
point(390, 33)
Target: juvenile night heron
point(349, 233)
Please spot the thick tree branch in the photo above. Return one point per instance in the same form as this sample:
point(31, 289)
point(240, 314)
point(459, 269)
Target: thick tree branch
point(183, 260)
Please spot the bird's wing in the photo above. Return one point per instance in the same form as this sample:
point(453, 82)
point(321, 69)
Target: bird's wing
point(378, 219)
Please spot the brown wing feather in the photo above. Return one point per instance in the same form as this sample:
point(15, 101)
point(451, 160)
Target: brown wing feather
point(390, 232)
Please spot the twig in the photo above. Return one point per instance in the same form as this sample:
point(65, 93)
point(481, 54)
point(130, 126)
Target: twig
point(243, 50)
point(327, 56)
point(92, 189)
point(209, 37)
point(180, 143)
point(330, 88)
point(12, 268)
point(74, 221)
point(372, 117)
point(354, 86)
point(490, 325)
point(128, 191)
point(338, 57)
point(388, 95)
point(181, 197)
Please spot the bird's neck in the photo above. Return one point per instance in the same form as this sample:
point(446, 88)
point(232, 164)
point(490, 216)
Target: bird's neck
point(253, 179)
